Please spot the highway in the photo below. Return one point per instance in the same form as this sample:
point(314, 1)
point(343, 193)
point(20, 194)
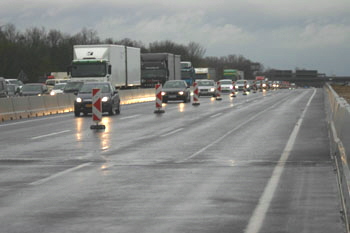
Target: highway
point(256, 163)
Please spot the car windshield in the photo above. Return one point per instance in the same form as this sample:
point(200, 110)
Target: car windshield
point(174, 85)
point(73, 86)
point(59, 86)
point(226, 82)
point(87, 88)
point(15, 81)
point(206, 83)
point(32, 88)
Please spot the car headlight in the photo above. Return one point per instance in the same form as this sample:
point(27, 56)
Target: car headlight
point(247, 85)
point(236, 87)
point(231, 87)
point(52, 93)
point(105, 99)
point(163, 93)
point(264, 85)
point(79, 100)
point(212, 89)
point(181, 92)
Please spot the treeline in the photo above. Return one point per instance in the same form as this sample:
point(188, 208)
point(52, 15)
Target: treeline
point(32, 54)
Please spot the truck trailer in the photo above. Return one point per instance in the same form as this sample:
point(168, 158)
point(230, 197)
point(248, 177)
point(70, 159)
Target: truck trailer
point(159, 68)
point(117, 64)
point(205, 73)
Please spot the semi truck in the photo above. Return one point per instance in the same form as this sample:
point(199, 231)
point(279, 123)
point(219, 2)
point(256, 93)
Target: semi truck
point(117, 64)
point(205, 73)
point(187, 72)
point(159, 68)
point(233, 74)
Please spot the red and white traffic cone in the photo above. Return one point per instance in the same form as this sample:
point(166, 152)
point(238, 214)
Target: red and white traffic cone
point(233, 93)
point(218, 94)
point(97, 109)
point(159, 99)
point(195, 95)
point(245, 88)
point(254, 87)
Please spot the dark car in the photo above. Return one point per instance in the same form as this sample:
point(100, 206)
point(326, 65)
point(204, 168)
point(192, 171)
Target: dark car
point(73, 87)
point(32, 89)
point(3, 88)
point(176, 90)
point(109, 98)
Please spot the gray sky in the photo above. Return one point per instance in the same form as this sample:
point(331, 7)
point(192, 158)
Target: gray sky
point(281, 34)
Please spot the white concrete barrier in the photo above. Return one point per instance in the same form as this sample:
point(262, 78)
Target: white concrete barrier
point(338, 113)
point(6, 110)
point(21, 107)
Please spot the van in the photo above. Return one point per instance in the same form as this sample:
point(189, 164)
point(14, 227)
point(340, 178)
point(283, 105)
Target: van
point(3, 88)
point(50, 83)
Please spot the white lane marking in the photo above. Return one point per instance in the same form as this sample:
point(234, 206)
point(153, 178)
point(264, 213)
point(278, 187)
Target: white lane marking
point(259, 214)
point(172, 132)
point(129, 117)
point(33, 120)
point(228, 133)
point(220, 138)
point(51, 134)
point(38, 182)
point(216, 115)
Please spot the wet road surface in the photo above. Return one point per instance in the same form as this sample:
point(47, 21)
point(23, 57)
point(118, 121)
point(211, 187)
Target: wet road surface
point(256, 163)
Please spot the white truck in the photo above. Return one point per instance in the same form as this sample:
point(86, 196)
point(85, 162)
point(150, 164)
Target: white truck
point(117, 64)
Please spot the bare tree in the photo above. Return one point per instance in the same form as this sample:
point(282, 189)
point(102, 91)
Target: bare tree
point(54, 38)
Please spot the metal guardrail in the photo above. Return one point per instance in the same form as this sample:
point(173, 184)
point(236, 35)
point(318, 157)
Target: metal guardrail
point(338, 113)
point(16, 108)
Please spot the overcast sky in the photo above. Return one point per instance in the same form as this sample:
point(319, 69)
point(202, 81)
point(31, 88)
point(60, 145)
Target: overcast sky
point(280, 34)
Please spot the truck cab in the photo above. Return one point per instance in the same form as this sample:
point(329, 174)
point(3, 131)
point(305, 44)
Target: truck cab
point(187, 72)
point(117, 64)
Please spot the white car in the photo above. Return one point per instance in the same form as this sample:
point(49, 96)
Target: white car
point(206, 87)
point(226, 85)
point(58, 88)
point(239, 85)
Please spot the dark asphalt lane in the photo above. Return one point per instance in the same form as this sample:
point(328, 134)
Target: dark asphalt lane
point(256, 163)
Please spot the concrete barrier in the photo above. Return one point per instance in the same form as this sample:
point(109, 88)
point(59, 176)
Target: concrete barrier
point(338, 114)
point(37, 106)
point(15, 108)
point(21, 107)
point(6, 110)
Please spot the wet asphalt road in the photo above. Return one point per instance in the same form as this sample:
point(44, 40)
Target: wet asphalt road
point(256, 163)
